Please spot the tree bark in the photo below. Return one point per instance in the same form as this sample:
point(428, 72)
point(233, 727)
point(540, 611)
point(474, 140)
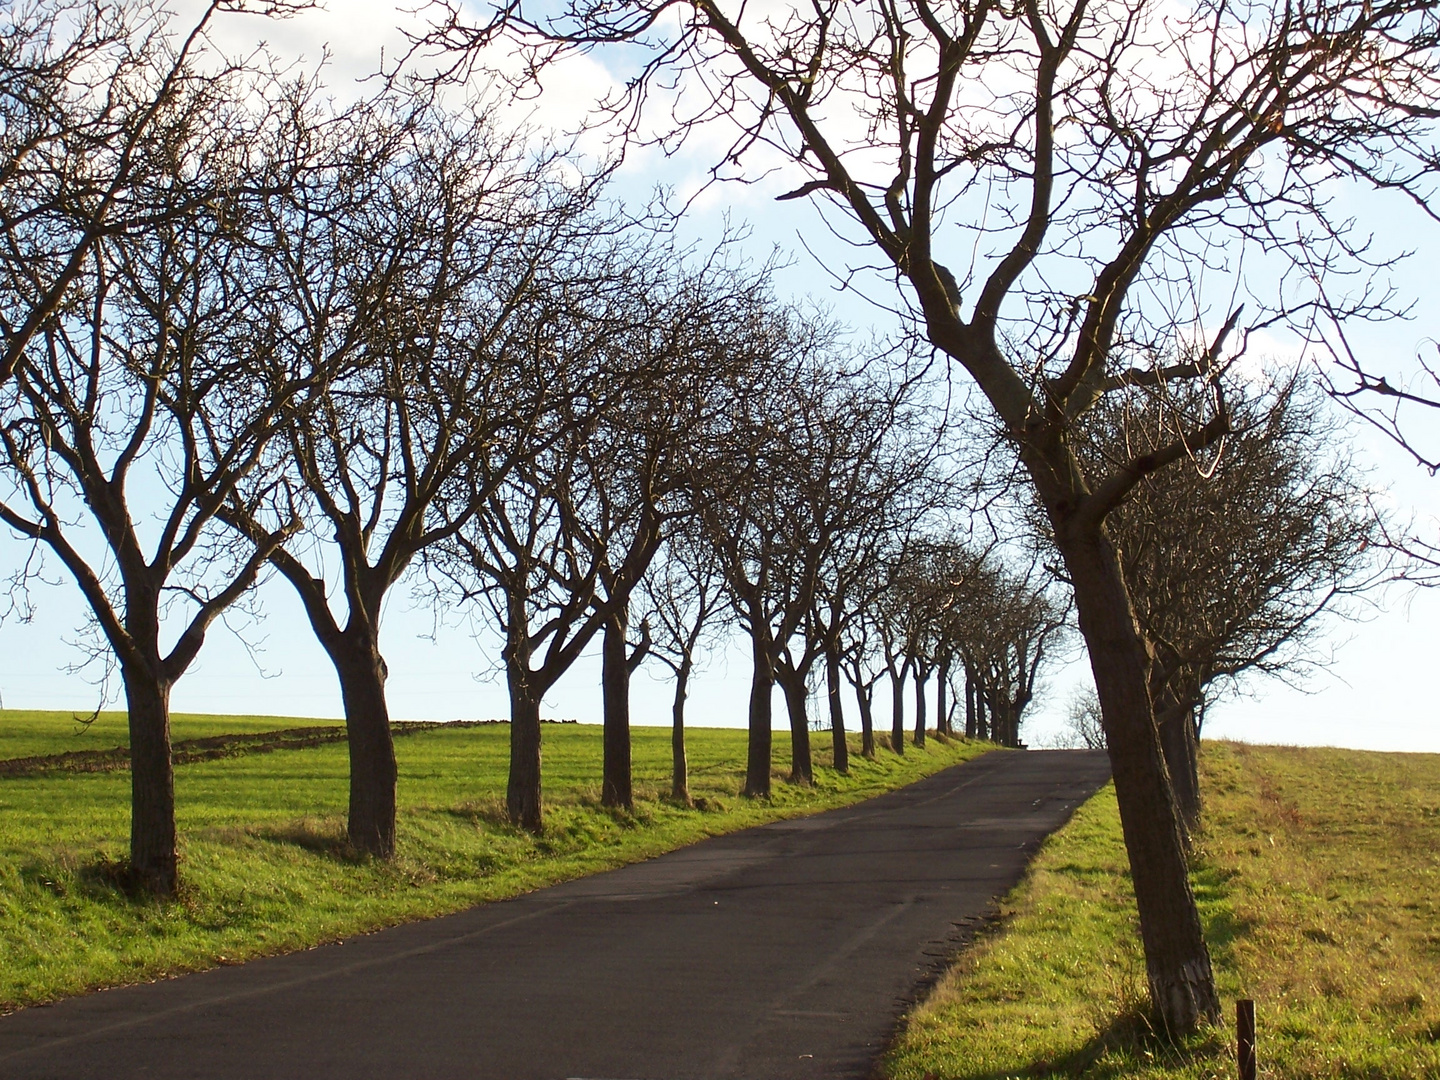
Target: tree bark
point(1177, 962)
point(802, 769)
point(679, 764)
point(942, 714)
point(920, 674)
point(522, 795)
point(972, 727)
point(837, 711)
point(897, 712)
point(616, 787)
point(864, 699)
point(373, 771)
point(1178, 741)
point(153, 863)
point(757, 763)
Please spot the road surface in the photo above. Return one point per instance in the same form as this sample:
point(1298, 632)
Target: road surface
point(785, 951)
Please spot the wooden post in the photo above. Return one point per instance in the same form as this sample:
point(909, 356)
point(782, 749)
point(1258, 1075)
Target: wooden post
point(1245, 1037)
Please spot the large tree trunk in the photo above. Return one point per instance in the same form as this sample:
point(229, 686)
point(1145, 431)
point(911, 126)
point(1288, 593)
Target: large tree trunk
point(920, 675)
point(897, 711)
point(152, 784)
point(802, 769)
point(1182, 983)
point(837, 711)
point(522, 794)
point(679, 765)
point(373, 772)
point(757, 763)
point(615, 789)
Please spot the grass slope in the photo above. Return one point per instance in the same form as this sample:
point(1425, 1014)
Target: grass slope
point(264, 864)
point(1318, 878)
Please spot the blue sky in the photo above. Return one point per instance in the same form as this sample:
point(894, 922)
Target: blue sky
point(1376, 690)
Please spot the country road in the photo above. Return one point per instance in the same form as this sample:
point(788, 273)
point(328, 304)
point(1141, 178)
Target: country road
point(785, 951)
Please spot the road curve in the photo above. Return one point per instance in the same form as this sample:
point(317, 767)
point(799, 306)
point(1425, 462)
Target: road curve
point(784, 951)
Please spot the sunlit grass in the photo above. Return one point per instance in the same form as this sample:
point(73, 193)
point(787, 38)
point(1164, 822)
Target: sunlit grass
point(264, 863)
point(1318, 877)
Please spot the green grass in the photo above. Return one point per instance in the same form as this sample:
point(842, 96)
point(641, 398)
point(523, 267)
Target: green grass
point(31, 733)
point(264, 865)
point(1318, 878)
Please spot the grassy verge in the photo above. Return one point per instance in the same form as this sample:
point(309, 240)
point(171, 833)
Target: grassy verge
point(1318, 878)
point(265, 867)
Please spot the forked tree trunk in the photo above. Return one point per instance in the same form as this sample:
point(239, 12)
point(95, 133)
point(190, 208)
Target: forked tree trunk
point(762, 680)
point(679, 765)
point(1177, 962)
point(802, 769)
point(616, 788)
point(153, 864)
point(837, 710)
point(920, 674)
point(897, 712)
point(373, 772)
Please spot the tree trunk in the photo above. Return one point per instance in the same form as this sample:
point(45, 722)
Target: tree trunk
point(837, 711)
point(942, 714)
point(1177, 740)
point(1177, 962)
point(865, 700)
point(802, 769)
point(920, 674)
point(972, 726)
point(757, 763)
point(522, 795)
point(897, 711)
point(373, 772)
point(153, 866)
point(679, 765)
point(616, 788)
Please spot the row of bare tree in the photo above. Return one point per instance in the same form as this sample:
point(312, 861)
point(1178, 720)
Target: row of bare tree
point(396, 342)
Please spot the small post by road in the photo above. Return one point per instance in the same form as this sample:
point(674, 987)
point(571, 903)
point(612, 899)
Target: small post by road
point(1245, 1037)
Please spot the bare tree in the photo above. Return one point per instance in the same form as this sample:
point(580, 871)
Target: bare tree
point(559, 545)
point(683, 597)
point(410, 264)
point(1234, 559)
point(137, 391)
point(1102, 156)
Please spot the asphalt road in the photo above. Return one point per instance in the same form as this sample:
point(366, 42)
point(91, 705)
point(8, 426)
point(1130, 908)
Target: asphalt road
point(785, 951)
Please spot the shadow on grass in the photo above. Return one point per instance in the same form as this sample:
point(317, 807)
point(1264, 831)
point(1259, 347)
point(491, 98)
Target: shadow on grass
point(326, 838)
point(1125, 1046)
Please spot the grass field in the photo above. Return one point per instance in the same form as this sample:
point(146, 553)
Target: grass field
point(264, 865)
point(1318, 876)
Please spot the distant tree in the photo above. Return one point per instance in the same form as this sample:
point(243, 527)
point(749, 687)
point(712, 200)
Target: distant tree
point(1233, 560)
point(682, 597)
